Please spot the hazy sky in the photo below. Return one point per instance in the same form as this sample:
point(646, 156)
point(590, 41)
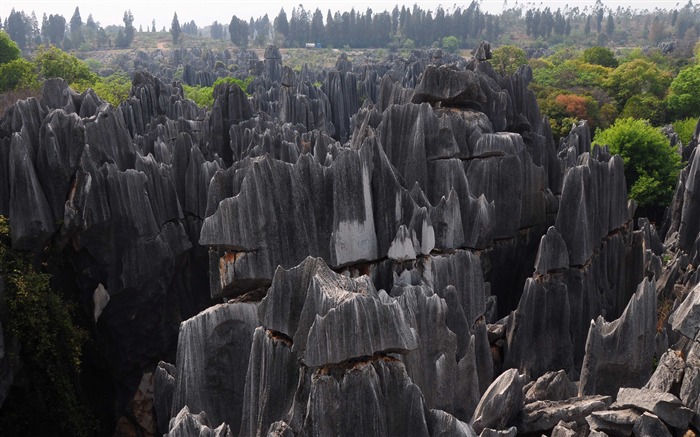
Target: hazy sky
point(204, 12)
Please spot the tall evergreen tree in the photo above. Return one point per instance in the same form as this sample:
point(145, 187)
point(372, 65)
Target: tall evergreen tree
point(175, 29)
point(76, 24)
point(129, 29)
point(281, 24)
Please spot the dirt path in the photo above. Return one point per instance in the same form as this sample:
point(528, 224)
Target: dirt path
point(161, 45)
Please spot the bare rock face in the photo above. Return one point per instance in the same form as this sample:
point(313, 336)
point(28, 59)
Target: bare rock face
point(212, 361)
point(450, 87)
point(552, 254)
point(379, 392)
point(164, 390)
point(668, 375)
point(620, 353)
point(541, 323)
point(686, 318)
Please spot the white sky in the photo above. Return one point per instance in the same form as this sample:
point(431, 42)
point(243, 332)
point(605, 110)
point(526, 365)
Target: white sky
point(205, 12)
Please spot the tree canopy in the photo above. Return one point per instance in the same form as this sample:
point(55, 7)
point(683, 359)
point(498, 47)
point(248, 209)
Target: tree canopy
point(507, 59)
point(651, 164)
point(600, 56)
point(684, 96)
point(8, 48)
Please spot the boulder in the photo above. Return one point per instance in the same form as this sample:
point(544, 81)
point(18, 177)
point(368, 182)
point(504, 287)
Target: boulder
point(665, 406)
point(552, 386)
point(668, 375)
point(501, 402)
point(541, 416)
point(648, 425)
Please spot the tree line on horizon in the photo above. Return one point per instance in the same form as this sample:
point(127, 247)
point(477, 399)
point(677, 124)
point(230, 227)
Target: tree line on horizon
point(403, 27)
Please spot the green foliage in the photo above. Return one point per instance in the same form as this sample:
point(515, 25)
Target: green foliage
point(114, 88)
point(684, 95)
point(204, 96)
point(18, 74)
point(636, 77)
point(685, 129)
point(175, 29)
point(507, 59)
point(572, 73)
point(651, 165)
point(600, 56)
point(409, 44)
point(53, 62)
point(450, 44)
point(9, 51)
point(50, 351)
point(645, 106)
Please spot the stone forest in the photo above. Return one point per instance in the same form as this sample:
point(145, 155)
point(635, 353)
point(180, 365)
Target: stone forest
point(394, 247)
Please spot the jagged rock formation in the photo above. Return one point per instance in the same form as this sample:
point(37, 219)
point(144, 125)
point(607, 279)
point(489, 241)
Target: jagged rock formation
point(402, 250)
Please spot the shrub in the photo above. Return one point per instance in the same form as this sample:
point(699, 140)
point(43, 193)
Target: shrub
point(450, 44)
point(204, 96)
point(18, 74)
point(685, 129)
point(651, 164)
point(114, 88)
point(50, 351)
point(53, 62)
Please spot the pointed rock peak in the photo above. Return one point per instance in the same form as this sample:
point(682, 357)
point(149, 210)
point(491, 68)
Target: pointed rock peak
point(482, 52)
point(552, 254)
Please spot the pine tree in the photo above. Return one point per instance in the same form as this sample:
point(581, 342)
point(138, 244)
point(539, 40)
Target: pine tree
point(175, 29)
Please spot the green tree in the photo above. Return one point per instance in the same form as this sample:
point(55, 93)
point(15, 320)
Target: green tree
point(600, 56)
point(450, 44)
point(506, 59)
point(76, 25)
point(8, 49)
point(129, 29)
point(651, 164)
point(175, 30)
point(645, 106)
point(636, 77)
point(18, 74)
point(684, 93)
point(238, 31)
point(53, 62)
